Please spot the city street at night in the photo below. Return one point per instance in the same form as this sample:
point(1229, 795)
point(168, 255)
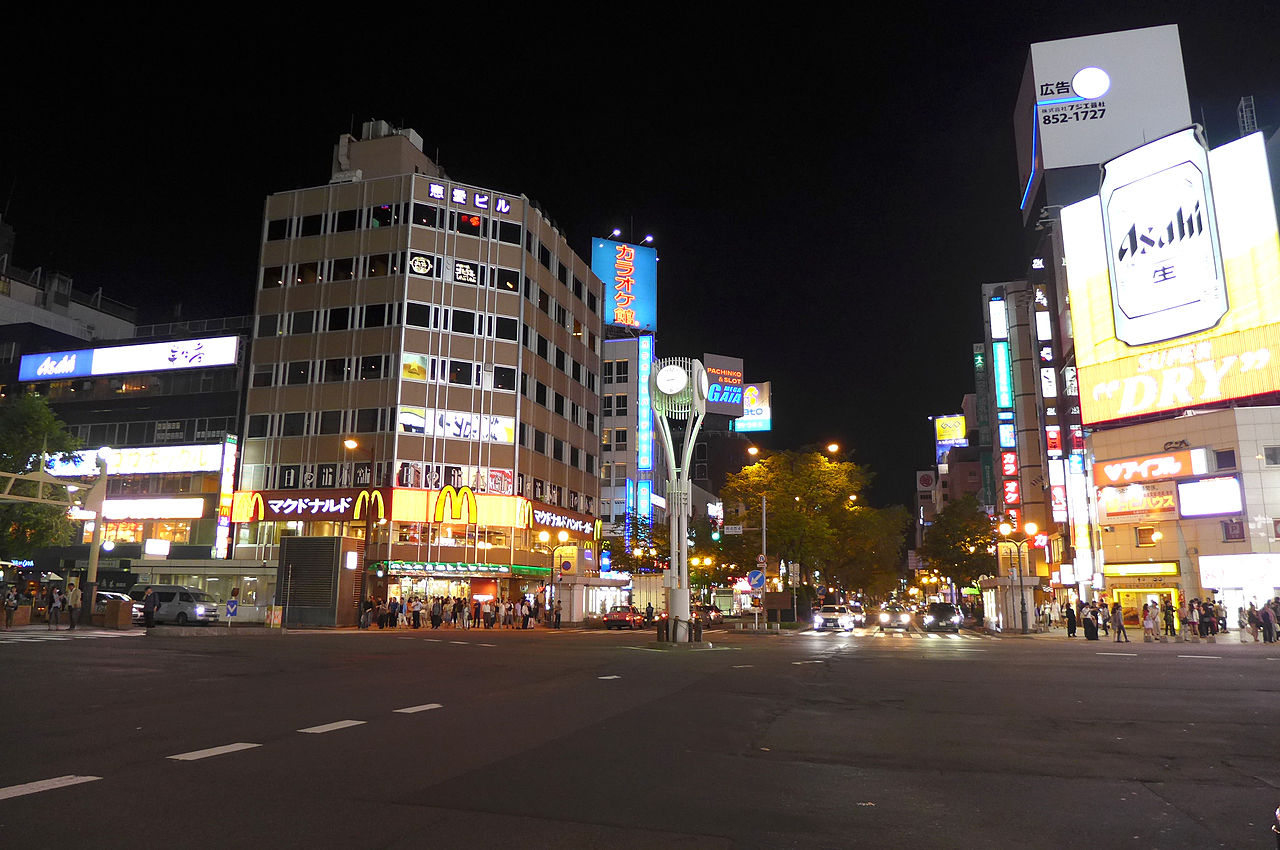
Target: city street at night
point(597, 739)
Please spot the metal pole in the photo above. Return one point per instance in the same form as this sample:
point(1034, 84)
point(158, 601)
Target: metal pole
point(97, 499)
point(764, 550)
point(1022, 596)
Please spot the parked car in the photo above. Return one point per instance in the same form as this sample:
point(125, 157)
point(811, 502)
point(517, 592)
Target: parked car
point(833, 617)
point(858, 613)
point(100, 603)
point(180, 604)
point(942, 617)
point(895, 616)
point(623, 617)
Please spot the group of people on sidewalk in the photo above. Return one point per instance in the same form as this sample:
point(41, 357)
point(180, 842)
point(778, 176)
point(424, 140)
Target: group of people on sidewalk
point(57, 602)
point(1202, 618)
point(456, 612)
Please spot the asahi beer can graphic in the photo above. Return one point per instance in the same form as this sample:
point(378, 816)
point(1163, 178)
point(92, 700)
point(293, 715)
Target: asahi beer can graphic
point(1162, 241)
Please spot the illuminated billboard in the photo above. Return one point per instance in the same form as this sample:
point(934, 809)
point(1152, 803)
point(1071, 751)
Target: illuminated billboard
point(724, 379)
point(1210, 497)
point(630, 276)
point(1084, 100)
point(1193, 316)
point(949, 431)
point(644, 404)
point(757, 412)
point(142, 461)
point(124, 359)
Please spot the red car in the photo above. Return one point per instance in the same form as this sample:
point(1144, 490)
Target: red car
point(623, 617)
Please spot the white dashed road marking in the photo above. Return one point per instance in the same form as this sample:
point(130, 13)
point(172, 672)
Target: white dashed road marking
point(608, 677)
point(1125, 654)
point(1200, 656)
point(196, 755)
point(414, 709)
point(332, 727)
point(44, 785)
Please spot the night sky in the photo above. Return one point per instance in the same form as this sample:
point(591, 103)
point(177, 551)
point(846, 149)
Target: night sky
point(826, 193)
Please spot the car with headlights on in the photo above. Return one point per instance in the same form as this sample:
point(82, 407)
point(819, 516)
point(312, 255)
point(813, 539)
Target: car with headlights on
point(894, 616)
point(623, 617)
point(858, 613)
point(833, 617)
point(941, 617)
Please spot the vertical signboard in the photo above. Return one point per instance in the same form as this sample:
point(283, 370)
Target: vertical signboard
point(757, 411)
point(226, 490)
point(644, 406)
point(630, 276)
point(724, 379)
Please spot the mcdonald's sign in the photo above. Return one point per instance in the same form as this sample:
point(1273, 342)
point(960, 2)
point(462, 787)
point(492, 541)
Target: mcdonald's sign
point(370, 501)
point(247, 506)
point(460, 503)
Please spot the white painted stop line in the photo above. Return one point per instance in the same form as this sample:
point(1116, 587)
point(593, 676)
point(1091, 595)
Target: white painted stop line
point(414, 709)
point(332, 727)
point(44, 785)
point(608, 677)
point(196, 755)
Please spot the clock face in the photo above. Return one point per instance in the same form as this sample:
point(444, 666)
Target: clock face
point(704, 384)
point(671, 379)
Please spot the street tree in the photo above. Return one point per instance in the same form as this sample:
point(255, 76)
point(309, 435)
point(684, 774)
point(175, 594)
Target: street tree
point(961, 542)
point(29, 430)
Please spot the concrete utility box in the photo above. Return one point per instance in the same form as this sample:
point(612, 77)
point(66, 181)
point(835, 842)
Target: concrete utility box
point(119, 614)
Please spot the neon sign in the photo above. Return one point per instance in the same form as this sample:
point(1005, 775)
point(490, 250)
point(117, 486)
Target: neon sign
point(644, 407)
point(633, 272)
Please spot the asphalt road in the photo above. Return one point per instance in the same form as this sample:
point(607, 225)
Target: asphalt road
point(593, 739)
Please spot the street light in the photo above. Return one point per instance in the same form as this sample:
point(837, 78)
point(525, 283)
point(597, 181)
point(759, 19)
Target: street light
point(753, 450)
point(833, 447)
point(1006, 531)
point(561, 537)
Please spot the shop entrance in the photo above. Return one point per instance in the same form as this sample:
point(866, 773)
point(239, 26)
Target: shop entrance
point(1131, 601)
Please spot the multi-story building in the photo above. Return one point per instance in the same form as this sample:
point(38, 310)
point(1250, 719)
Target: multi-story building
point(425, 376)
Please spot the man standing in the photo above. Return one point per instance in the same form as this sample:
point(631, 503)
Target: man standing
point(150, 604)
point(557, 614)
point(11, 607)
point(73, 603)
point(648, 614)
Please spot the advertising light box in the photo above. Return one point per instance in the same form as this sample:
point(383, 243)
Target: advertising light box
point(1210, 497)
point(644, 404)
point(757, 408)
point(1174, 281)
point(142, 461)
point(724, 378)
point(630, 276)
point(949, 432)
point(126, 359)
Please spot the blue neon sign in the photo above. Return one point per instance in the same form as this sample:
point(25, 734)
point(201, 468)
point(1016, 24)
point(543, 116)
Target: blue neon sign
point(630, 276)
point(1003, 374)
point(644, 407)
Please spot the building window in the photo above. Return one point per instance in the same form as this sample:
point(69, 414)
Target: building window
point(509, 232)
point(371, 368)
point(425, 215)
point(264, 376)
point(268, 326)
point(367, 419)
point(335, 370)
point(339, 318)
point(379, 265)
point(557, 450)
point(464, 322)
point(375, 315)
point(293, 425)
point(620, 474)
point(308, 273)
point(606, 405)
point(331, 422)
point(272, 277)
point(1272, 455)
point(384, 216)
point(543, 348)
point(310, 225)
point(343, 268)
point(277, 229)
point(504, 378)
point(619, 438)
point(620, 405)
point(297, 373)
point(460, 372)
point(304, 322)
point(606, 372)
point(259, 425)
point(345, 220)
point(539, 441)
point(1146, 536)
point(507, 280)
point(1225, 459)
point(620, 370)
point(505, 328)
point(591, 422)
point(606, 475)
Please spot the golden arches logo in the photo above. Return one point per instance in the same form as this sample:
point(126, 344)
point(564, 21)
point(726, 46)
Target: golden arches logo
point(524, 516)
point(459, 501)
point(247, 506)
point(599, 532)
point(370, 500)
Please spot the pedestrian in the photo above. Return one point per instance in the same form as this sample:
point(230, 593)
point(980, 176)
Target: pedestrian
point(1148, 622)
point(524, 613)
point(73, 606)
point(1184, 618)
point(1193, 618)
point(381, 611)
point(150, 604)
point(1070, 613)
point(1104, 618)
point(57, 602)
point(417, 613)
point(464, 610)
point(1090, 621)
point(1055, 612)
point(557, 613)
point(1268, 619)
point(436, 612)
point(507, 615)
point(648, 614)
point(486, 612)
point(1117, 618)
point(393, 613)
point(1251, 619)
point(366, 612)
point(475, 612)
point(10, 607)
point(1169, 630)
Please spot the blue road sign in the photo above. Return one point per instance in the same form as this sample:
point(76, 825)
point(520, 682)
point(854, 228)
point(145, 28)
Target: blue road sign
point(232, 605)
point(755, 578)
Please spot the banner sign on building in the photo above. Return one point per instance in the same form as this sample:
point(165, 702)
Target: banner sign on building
point(1181, 463)
point(125, 359)
point(1134, 503)
point(1173, 273)
point(757, 411)
point(644, 405)
point(630, 276)
point(724, 378)
point(142, 461)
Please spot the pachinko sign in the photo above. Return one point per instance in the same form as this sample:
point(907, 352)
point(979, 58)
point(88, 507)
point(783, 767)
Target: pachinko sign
point(630, 276)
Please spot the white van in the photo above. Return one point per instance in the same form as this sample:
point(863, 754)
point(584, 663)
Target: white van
point(179, 604)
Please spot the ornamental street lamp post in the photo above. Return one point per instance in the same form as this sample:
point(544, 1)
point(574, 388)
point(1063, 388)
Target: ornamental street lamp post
point(1030, 529)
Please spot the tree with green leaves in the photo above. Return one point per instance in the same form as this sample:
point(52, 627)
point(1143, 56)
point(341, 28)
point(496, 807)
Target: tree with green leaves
point(961, 542)
point(815, 519)
point(30, 430)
